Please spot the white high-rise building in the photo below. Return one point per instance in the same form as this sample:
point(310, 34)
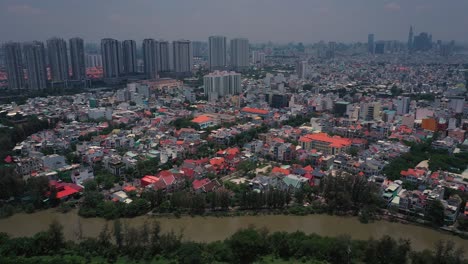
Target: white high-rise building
point(239, 53)
point(402, 105)
point(221, 83)
point(182, 56)
point(217, 52)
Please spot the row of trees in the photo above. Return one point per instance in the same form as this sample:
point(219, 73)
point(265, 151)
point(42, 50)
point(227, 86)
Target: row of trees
point(344, 193)
point(146, 243)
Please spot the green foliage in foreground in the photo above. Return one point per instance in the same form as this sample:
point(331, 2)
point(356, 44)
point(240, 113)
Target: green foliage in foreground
point(147, 244)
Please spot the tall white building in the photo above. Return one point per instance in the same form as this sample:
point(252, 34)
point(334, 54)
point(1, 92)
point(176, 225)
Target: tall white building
point(182, 56)
point(239, 53)
point(221, 83)
point(403, 105)
point(217, 52)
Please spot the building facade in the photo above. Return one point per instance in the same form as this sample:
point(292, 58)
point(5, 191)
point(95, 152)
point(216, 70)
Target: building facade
point(217, 52)
point(151, 58)
point(129, 57)
point(239, 54)
point(182, 55)
point(35, 59)
point(14, 65)
point(219, 84)
point(111, 58)
point(58, 59)
point(77, 59)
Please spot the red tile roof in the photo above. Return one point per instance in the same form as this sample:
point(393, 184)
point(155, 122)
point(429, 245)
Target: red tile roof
point(255, 111)
point(335, 141)
point(197, 184)
point(280, 170)
point(202, 119)
point(148, 179)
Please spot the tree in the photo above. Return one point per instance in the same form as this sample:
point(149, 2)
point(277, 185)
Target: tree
point(247, 245)
point(118, 236)
point(55, 234)
point(190, 253)
point(436, 213)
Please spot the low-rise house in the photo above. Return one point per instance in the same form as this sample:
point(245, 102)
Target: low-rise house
point(391, 191)
point(65, 190)
point(294, 182)
point(79, 176)
point(414, 175)
point(121, 196)
point(53, 162)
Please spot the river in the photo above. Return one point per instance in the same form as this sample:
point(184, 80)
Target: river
point(206, 229)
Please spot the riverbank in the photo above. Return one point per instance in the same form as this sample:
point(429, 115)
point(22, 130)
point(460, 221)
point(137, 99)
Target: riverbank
point(211, 228)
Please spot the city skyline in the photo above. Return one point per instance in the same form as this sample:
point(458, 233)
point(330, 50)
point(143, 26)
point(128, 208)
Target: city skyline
point(259, 21)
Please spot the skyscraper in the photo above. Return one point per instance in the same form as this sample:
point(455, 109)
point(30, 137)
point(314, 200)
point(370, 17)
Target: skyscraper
point(182, 55)
point(410, 39)
point(370, 44)
point(151, 58)
point(14, 65)
point(217, 52)
point(34, 56)
point(129, 56)
point(111, 58)
point(422, 42)
point(164, 65)
point(199, 48)
point(239, 53)
point(58, 59)
point(77, 59)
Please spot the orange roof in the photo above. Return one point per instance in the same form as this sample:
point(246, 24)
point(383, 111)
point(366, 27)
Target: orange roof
point(280, 170)
point(255, 111)
point(413, 172)
point(335, 141)
point(202, 119)
point(217, 161)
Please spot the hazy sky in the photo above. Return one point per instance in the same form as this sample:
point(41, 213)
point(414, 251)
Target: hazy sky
point(259, 20)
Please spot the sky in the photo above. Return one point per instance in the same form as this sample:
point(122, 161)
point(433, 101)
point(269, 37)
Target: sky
point(280, 21)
